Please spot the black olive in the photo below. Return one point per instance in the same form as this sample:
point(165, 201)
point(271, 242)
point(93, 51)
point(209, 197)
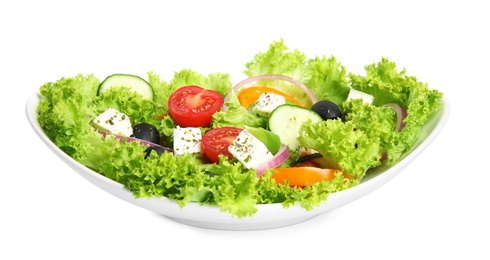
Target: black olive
point(211, 174)
point(147, 132)
point(327, 109)
point(309, 157)
point(156, 148)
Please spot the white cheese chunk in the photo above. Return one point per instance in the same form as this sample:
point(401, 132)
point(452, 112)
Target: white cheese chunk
point(249, 150)
point(187, 140)
point(114, 122)
point(355, 94)
point(266, 103)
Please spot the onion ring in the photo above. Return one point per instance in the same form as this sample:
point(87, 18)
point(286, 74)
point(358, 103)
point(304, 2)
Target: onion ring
point(281, 156)
point(244, 82)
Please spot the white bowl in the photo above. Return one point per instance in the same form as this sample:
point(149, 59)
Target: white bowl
point(268, 215)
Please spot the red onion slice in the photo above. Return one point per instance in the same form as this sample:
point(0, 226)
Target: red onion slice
point(132, 139)
point(401, 114)
point(281, 156)
point(247, 81)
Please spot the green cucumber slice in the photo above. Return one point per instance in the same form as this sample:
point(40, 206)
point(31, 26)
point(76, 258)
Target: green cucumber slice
point(286, 121)
point(135, 83)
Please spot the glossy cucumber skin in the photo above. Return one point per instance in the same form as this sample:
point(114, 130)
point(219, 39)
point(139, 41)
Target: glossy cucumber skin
point(286, 121)
point(133, 82)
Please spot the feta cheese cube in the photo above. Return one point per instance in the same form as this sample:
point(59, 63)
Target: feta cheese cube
point(114, 122)
point(355, 94)
point(266, 103)
point(249, 150)
point(187, 140)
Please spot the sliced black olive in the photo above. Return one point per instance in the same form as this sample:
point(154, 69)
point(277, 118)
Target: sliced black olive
point(147, 132)
point(158, 149)
point(210, 173)
point(327, 109)
point(309, 157)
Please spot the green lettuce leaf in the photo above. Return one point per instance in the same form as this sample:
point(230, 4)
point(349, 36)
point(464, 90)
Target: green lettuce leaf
point(342, 146)
point(219, 82)
point(63, 110)
point(129, 102)
point(328, 80)
point(236, 115)
point(233, 188)
point(325, 77)
point(389, 85)
point(161, 92)
point(378, 123)
point(278, 59)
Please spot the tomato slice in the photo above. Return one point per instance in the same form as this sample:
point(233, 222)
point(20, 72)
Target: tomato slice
point(194, 106)
point(250, 95)
point(216, 141)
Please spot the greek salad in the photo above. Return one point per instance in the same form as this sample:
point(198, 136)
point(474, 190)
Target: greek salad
point(294, 131)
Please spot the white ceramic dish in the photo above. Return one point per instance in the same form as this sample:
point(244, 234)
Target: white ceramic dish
point(268, 216)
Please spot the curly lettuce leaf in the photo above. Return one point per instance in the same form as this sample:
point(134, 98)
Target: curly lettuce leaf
point(325, 77)
point(389, 85)
point(233, 188)
point(129, 102)
point(378, 123)
point(182, 179)
point(219, 82)
point(342, 146)
point(161, 92)
point(236, 115)
point(328, 80)
point(63, 110)
point(278, 59)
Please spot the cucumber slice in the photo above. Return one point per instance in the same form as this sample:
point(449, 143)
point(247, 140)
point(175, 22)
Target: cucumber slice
point(135, 83)
point(286, 120)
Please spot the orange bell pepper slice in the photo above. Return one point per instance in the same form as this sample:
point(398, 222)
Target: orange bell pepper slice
point(304, 176)
point(248, 96)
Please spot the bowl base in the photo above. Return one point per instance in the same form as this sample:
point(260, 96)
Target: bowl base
point(238, 225)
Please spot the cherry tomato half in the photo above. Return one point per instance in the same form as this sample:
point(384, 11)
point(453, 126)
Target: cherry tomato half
point(216, 141)
point(193, 106)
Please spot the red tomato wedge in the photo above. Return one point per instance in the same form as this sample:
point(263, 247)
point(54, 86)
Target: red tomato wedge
point(304, 176)
point(193, 106)
point(216, 141)
point(250, 95)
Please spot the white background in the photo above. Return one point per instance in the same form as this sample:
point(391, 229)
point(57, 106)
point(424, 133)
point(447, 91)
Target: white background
point(435, 209)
